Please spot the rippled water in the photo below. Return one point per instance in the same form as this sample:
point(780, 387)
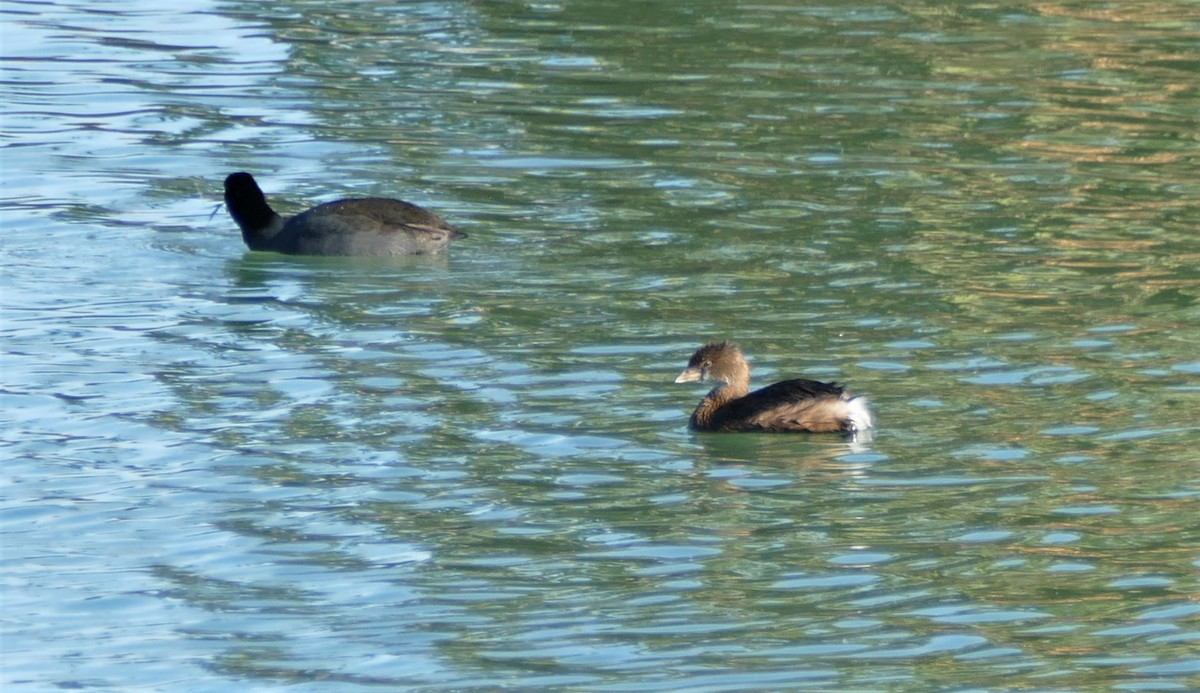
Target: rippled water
point(472, 472)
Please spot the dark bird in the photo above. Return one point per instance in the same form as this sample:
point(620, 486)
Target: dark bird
point(790, 405)
point(358, 226)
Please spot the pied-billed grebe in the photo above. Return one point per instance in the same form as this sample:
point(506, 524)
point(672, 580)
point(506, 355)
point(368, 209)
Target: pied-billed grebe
point(791, 405)
point(360, 226)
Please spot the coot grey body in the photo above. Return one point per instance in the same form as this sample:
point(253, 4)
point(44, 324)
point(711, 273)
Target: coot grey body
point(790, 405)
point(357, 226)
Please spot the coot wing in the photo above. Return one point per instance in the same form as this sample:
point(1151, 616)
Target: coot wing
point(366, 226)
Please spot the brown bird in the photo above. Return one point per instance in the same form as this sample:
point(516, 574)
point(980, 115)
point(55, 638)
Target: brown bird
point(356, 226)
point(790, 405)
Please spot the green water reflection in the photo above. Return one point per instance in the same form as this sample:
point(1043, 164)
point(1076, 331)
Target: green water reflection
point(472, 472)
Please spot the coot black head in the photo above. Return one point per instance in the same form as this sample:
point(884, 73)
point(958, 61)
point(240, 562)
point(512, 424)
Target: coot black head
point(248, 205)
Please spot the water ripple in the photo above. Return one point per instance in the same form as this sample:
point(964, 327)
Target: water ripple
point(473, 472)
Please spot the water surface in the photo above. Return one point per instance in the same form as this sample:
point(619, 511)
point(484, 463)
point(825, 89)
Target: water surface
point(472, 472)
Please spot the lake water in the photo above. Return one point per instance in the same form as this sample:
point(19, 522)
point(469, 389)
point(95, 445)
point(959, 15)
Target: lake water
point(472, 472)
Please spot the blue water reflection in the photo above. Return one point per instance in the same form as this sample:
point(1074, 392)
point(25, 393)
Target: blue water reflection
point(472, 471)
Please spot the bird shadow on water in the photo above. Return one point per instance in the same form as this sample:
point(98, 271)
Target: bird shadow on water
point(350, 283)
point(254, 266)
point(790, 451)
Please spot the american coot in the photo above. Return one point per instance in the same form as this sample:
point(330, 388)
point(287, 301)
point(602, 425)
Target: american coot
point(361, 226)
point(791, 405)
